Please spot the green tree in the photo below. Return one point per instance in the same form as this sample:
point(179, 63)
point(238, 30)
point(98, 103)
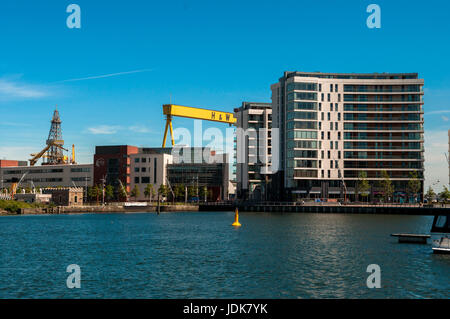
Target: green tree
point(109, 192)
point(94, 193)
point(414, 184)
point(135, 192)
point(445, 194)
point(430, 195)
point(149, 191)
point(203, 192)
point(363, 185)
point(179, 192)
point(386, 185)
point(28, 190)
point(192, 191)
point(123, 192)
point(163, 190)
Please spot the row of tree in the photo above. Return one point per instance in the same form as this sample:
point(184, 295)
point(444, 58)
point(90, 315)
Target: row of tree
point(94, 193)
point(386, 185)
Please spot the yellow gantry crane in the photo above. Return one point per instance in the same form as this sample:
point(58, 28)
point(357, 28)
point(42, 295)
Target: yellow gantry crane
point(171, 110)
point(37, 156)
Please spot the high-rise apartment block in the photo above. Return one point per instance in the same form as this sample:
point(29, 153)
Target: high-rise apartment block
point(253, 150)
point(335, 126)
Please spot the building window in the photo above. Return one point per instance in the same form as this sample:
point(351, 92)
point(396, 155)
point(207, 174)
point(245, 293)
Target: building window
point(145, 180)
point(136, 160)
point(143, 169)
point(336, 126)
point(320, 87)
point(331, 87)
point(320, 125)
point(329, 116)
point(136, 169)
point(336, 107)
point(320, 164)
point(339, 97)
point(339, 116)
point(331, 107)
point(331, 165)
point(339, 135)
point(331, 144)
point(144, 160)
point(331, 126)
point(323, 173)
point(320, 106)
point(322, 97)
point(329, 154)
point(322, 116)
point(136, 180)
point(329, 175)
point(328, 133)
point(329, 97)
point(335, 87)
point(336, 144)
point(323, 155)
point(321, 133)
point(339, 154)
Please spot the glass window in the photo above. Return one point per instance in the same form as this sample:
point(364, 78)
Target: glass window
point(440, 222)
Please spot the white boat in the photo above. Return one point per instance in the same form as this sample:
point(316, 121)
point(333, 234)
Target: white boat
point(440, 234)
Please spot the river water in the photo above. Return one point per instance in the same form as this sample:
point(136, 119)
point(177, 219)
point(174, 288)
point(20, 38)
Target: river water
point(200, 255)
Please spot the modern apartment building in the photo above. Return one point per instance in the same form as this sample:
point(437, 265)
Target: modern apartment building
point(333, 126)
point(253, 150)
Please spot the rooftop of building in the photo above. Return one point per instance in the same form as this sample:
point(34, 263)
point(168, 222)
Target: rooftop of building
point(253, 105)
point(361, 76)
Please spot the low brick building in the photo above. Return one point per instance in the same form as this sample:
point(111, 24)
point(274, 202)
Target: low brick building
point(69, 196)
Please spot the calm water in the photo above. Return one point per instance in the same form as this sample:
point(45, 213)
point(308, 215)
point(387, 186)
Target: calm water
point(200, 255)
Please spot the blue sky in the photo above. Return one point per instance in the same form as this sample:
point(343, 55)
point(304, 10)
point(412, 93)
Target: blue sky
point(212, 54)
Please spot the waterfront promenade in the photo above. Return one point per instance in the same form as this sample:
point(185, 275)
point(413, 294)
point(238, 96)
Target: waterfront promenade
point(327, 207)
point(281, 207)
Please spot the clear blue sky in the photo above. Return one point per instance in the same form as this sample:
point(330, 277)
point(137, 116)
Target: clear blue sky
point(211, 53)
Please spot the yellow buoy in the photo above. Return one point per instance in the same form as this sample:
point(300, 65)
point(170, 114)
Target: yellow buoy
point(236, 219)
